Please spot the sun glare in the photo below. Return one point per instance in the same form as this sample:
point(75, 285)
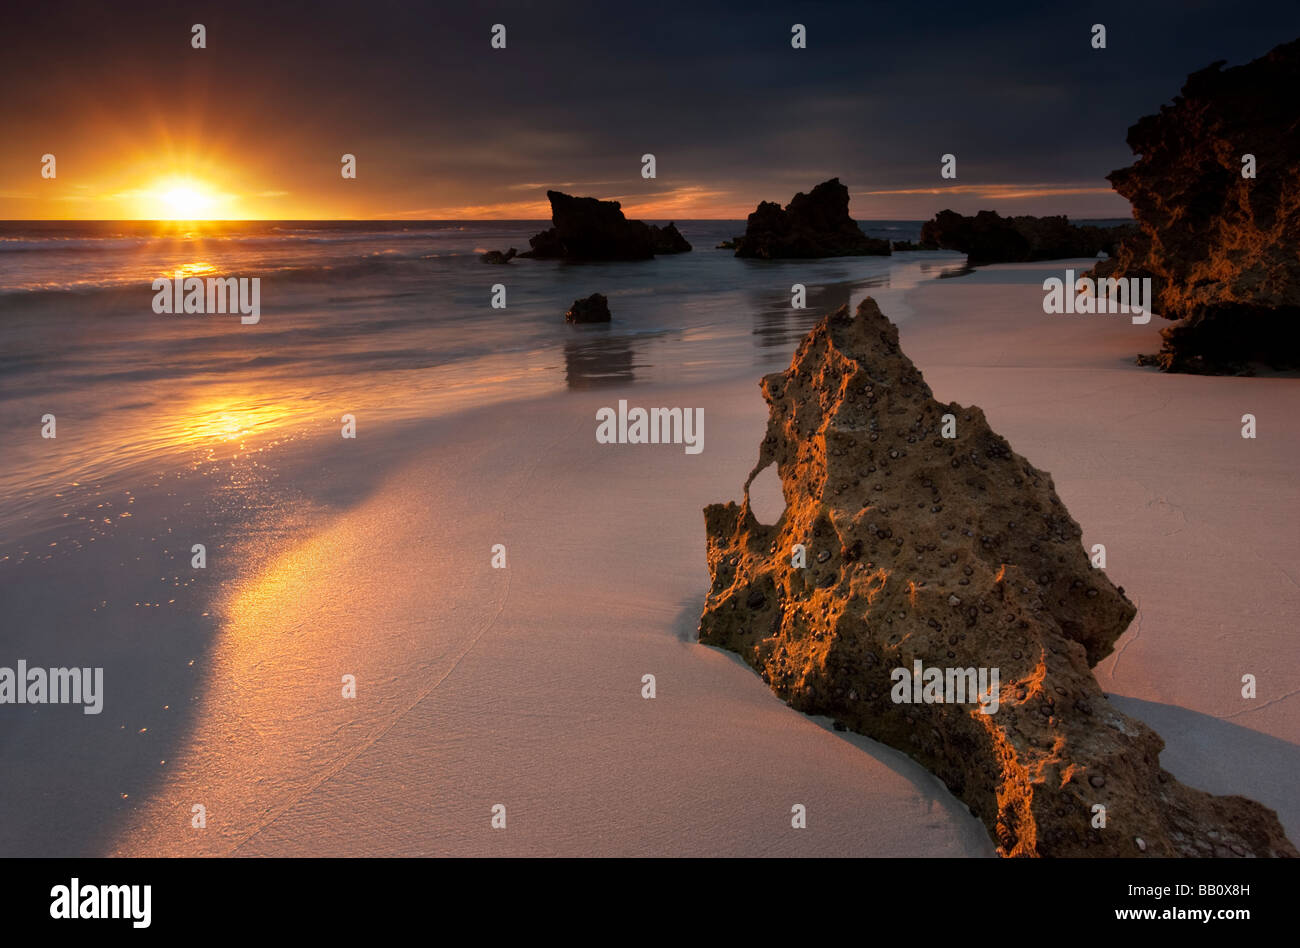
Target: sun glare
point(184, 200)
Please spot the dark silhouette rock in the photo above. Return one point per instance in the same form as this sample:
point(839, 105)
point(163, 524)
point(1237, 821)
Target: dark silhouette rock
point(990, 238)
point(1223, 250)
point(904, 246)
point(496, 256)
point(812, 225)
point(589, 229)
point(592, 309)
point(668, 240)
point(955, 553)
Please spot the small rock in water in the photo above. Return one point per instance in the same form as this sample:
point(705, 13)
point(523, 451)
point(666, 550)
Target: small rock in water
point(593, 309)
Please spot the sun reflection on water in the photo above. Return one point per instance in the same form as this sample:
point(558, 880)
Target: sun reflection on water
point(228, 419)
point(199, 268)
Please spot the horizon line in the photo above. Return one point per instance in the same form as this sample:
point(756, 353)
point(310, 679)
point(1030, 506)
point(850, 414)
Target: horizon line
point(418, 220)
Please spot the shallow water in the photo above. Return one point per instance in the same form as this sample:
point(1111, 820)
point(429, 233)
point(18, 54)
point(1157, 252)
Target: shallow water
point(382, 321)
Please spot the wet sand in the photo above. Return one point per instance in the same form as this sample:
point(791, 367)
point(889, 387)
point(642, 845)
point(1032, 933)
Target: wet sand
point(522, 686)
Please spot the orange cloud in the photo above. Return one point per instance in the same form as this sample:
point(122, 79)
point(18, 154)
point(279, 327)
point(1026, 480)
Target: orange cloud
point(999, 192)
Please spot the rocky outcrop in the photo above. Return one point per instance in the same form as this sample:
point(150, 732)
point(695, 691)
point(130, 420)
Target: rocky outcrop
point(1223, 250)
point(585, 228)
point(668, 240)
point(956, 553)
point(990, 238)
point(591, 309)
point(816, 224)
point(496, 256)
point(904, 246)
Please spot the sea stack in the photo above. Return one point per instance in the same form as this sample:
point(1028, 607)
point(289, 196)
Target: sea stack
point(916, 542)
point(1216, 193)
point(812, 225)
point(668, 240)
point(989, 237)
point(585, 228)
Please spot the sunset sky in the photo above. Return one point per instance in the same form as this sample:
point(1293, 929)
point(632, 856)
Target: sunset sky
point(443, 126)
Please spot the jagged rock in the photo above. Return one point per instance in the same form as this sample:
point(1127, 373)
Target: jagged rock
point(1223, 251)
point(592, 309)
point(668, 240)
point(957, 553)
point(496, 256)
point(811, 225)
point(900, 246)
point(990, 238)
point(588, 229)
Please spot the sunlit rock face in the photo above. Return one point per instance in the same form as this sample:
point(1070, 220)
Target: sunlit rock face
point(1223, 249)
point(954, 552)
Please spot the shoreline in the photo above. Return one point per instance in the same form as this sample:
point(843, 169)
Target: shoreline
point(478, 686)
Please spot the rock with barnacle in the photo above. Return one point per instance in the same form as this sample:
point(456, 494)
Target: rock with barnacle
point(964, 559)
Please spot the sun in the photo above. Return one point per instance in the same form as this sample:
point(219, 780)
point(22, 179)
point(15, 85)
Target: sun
point(184, 200)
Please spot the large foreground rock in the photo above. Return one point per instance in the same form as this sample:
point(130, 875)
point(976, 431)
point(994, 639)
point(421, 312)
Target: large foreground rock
point(957, 553)
point(990, 238)
point(585, 228)
point(811, 225)
point(1223, 250)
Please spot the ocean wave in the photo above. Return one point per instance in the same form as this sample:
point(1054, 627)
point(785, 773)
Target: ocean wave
point(338, 270)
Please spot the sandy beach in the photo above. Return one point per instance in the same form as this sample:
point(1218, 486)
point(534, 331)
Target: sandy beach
point(522, 686)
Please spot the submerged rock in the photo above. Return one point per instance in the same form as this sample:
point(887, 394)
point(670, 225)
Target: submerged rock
point(1223, 250)
point(591, 309)
point(956, 553)
point(816, 224)
point(990, 238)
point(496, 256)
point(589, 229)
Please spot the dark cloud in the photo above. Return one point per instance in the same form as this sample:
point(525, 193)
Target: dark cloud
point(712, 89)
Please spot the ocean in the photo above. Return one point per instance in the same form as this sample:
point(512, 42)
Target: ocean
point(382, 320)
